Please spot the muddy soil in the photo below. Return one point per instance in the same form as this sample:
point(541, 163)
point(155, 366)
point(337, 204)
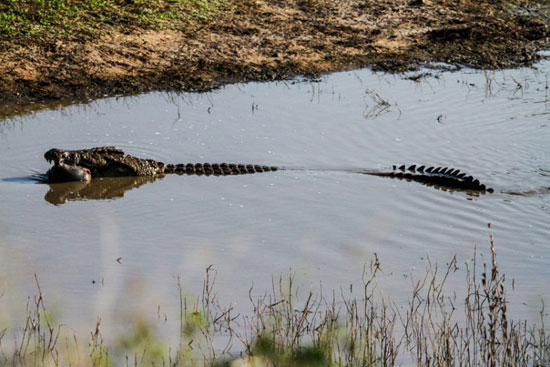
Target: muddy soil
point(272, 39)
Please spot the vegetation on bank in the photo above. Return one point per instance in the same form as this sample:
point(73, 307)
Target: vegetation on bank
point(93, 17)
point(87, 18)
point(436, 328)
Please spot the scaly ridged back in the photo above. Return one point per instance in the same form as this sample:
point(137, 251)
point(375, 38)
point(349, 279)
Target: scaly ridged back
point(222, 169)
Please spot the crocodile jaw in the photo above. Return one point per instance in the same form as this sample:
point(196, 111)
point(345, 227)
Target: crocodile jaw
point(53, 155)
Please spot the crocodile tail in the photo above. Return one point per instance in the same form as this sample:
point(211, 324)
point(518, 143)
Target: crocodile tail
point(439, 176)
point(216, 169)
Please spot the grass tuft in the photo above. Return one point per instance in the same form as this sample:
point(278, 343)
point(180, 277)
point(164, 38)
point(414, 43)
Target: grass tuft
point(93, 17)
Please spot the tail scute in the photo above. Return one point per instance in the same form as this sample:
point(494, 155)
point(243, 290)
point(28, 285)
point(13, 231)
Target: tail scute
point(443, 177)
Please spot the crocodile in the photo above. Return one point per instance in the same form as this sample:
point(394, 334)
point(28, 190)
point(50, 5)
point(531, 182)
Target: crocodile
point(113, 162)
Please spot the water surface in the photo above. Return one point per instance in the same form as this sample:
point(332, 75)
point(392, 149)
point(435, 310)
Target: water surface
point(324, 223)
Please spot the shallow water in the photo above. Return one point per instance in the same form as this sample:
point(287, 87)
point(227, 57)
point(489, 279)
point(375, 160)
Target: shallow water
point(325, 222)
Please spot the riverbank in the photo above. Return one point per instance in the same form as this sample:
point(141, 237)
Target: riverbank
point(64, 49)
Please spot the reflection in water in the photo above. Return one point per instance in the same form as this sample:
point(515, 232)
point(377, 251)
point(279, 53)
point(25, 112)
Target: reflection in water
point(98, 189)
point(13, 110)
point(539, 192)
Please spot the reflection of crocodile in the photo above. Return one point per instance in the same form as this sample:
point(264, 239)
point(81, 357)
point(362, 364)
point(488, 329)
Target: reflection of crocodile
point(102, 189)
point(113, 162)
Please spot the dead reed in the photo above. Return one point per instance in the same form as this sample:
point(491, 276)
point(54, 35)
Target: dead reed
point(485, 336)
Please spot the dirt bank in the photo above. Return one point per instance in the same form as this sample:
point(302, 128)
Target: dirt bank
point(118, 50)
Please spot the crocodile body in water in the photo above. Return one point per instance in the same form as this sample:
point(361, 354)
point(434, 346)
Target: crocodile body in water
point(113, 162)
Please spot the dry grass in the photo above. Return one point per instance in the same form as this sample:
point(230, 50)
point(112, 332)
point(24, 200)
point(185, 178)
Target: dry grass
point(319, 329)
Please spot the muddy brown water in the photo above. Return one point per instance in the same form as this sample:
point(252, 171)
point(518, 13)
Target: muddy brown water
point(324, 222)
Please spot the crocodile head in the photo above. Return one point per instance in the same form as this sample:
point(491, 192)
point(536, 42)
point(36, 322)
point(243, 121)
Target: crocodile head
point(106, 162)
point(73, 157)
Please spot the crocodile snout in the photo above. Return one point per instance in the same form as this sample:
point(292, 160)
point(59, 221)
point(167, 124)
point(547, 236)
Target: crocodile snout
point(53, 155)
